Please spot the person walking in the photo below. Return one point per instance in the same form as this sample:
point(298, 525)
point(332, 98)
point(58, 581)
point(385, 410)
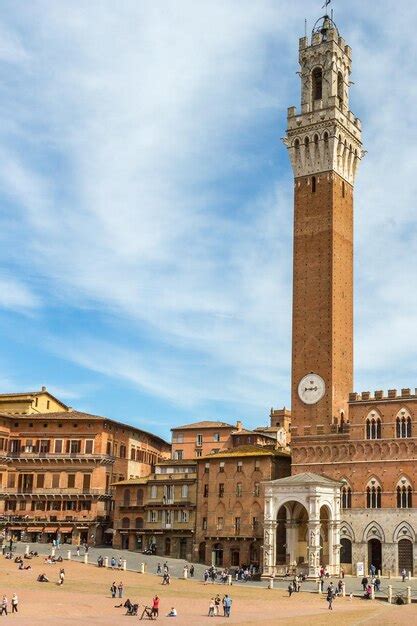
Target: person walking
point(403, 574)
point(206, 576)
point(158, 569)
point(3, 605)
point(290, 589)
point(120, 563)
point(78, 550)
point(227, 605)
point(120, 589)
point(192, 571)
point(377, 584)
point(15, 602)
point(113, 589)
point(364, 583)
point(113, 562)
point(330, 597)
point(61, 576)
point(211, 608)
point(372, 569)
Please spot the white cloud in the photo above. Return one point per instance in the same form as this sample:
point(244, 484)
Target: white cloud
point(142, 196)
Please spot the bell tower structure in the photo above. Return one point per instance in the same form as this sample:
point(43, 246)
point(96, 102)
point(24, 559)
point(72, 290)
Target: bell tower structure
point(324, 144)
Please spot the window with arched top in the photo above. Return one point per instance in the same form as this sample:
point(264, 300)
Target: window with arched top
point(404, 494)
point(403, 424)
point(373, 494)
point(373, 427)
point(317, 83)
point(340, 90)
point(326, 137)
point(139, 522)
point(126, 497)
point(346, 497)
point(297, 144)
point(139, 497)
point(125, 522)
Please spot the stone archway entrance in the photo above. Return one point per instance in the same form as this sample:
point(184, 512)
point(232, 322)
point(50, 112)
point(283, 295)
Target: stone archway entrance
point(405, 555)
point(307, 507)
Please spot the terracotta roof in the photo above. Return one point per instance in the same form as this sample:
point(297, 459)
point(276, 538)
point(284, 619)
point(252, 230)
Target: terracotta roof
point(79, 415)
point(132, 481)
point(31, 394)
point(242, 451)
point(203, 424)
point(243, 431)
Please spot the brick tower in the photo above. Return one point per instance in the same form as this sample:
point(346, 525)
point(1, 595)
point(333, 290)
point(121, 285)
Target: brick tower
point(324, 144)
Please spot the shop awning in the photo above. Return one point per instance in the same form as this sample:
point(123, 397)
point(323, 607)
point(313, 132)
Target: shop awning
point(109, 530)
point(65, 531)
point(15, 528)
point(50, 529)
point(34, 529)
point(82, 527)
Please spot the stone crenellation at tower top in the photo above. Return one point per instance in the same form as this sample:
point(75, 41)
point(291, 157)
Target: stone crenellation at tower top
point(324, 135)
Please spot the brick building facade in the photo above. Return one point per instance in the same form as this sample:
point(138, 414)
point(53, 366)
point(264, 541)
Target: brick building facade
point(159, 511)
point(57, 469)
point(230, 504)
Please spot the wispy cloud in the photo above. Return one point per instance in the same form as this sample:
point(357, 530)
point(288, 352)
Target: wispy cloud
point(142, 169)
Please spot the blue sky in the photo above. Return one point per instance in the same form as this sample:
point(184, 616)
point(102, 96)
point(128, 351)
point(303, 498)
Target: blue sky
point(146, 203)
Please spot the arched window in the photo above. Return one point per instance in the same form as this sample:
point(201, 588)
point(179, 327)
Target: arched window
point(317, 83)
point(297, 144)
point(126, 497)
point(139, 497)
point(125, 522)
point(403, 424)
point(345, 550)
point(346, 497)
point(373, 428)
point(139, 522)
point(326, 137)
point(404, 494)
point(373, 494)
point(340, 82)
point(316, 139)
point(306, 142)
point(313, 184)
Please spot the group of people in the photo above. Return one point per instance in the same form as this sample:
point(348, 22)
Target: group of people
point(116, 589)
point(295, 584)
point(164, 572)
point(115, 564)
point(368, 585)
point(214, 606)
point(4, 604)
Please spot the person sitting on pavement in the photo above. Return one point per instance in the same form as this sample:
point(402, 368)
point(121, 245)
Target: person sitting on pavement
point(42, 579)
point(172, 613)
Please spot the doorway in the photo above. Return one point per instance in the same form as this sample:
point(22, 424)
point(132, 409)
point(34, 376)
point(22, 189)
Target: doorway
point(183, 548)
point(405, 556)
point(375, 554)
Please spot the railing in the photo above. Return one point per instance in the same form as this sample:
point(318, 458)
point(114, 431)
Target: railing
point(61, 455)
point(52, 492)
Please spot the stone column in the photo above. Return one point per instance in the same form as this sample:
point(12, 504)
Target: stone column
point(270, 539)
point(292, 527)
point(313, 548)
point(334, 548)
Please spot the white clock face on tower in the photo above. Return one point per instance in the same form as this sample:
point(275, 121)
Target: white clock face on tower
point(311, 388)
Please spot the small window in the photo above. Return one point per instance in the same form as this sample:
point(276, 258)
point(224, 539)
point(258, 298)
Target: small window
point(206, 468)
point(204, 523)
point(256, 490)
point(313, 184)
point(47, 404)
point(58, 446)
point(89, 446)
point(55, 481)
point(326, 137)
point(239, 466)
point(239, 490)
point(40, 481)
point(199, 452)
point(257, 464)
point(316, 139)
point(154, 492)
point(206, 491)
point(317, 83)
point(199, 440)
point(71, 481)
point(184, 491)
point(220, 522)
point(216, 437)
point(297, 144)
point(221, 466)
point(221, 490)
